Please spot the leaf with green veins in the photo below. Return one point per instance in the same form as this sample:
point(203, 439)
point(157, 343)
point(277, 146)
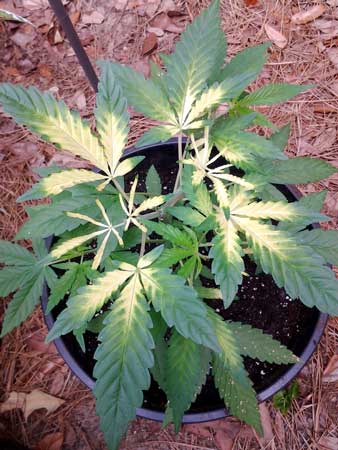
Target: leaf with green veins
point(274, 93)
point(160, 352)
point(88, 300)
point(79, 336)
point(143, 95)
point(283, 399)
point(300, 271)
point(298, 170)
point(280, 138)
point(187, 215)
point(198, 56)
point(179, 305)
point(231, 378)
point(171, 256)
point(227, 263)
point(161, 133)
point(58, 182)
point(228, 124)
point(323, 242)
point(256, 344)
point(250, 60)
point(122, 369)
point(187, 270)
point(173, 234)
point(111, 116)
point(186, 371)
point(53, 121)
point(263, 121)
point(153, 182)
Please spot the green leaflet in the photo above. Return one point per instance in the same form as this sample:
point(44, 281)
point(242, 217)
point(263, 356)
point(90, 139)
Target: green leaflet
point(160, 133)
point(273, 93)
point(88, 300)
point(111, 116)
point(300, 271)
point(53, 121)
point(179, 305)
point(123, 360)
point(187, 215)
point(173, 234)
point(198, 56)
point(144, 95)
point(231, 378)
point(14, 277)
point(15, 255)
point(323, 242)
point(160, 352)
point(153, 182)
point(280, 138)
point(254, 343)
point(197, 195)
point(172, 256)
point(227, 263)
point(298, 170)
point(186, 371)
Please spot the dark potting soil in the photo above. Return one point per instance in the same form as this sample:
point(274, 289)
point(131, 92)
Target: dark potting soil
point(260, 303)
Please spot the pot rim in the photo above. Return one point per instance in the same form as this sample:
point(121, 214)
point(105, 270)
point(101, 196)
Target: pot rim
point(207, 416)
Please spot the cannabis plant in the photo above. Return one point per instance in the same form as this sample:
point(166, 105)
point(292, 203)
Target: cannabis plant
point(131, 263)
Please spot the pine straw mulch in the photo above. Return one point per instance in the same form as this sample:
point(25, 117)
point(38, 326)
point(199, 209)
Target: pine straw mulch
point(26, 362)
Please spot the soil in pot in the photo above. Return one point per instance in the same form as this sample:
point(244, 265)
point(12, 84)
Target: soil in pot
point(260, 303)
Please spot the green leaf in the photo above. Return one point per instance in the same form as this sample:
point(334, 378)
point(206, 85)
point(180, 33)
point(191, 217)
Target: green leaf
point(171, 256)
point(198, 196)
point(53, 121)
point(198, 56)
point(297, 268)
point(23, 303)
point(150, 257)
point(283, 399)
point(256, 344)
point(186, 371)
point(158, 332)
point(123, 360)
point(323, 242)
point(153, 182)
point(15, 277)
point(231, 379)
point(208, 293)
point(251, 60)
point(170, 233)
point(14, 254)
point(227, 263)
point(187, 215)
point(280, 138)
point(111, 116)
point(143, 95)
point(298, 170)
point(273, 93)
point(79, 336)
point(127, 165)
point(88, 300)
point(161, 133)
point(179, 305)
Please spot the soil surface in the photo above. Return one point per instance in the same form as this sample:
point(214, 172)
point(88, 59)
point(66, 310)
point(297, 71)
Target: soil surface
point(259, 303)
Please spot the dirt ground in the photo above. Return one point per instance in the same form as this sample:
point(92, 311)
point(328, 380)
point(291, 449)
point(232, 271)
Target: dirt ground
point(135, 32)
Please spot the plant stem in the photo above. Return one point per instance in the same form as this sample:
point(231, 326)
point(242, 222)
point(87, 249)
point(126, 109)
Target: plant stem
point(119, 188)
point(180, 164)
point(143, 243)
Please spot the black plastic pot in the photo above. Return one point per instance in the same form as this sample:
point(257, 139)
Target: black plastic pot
point(168, 152)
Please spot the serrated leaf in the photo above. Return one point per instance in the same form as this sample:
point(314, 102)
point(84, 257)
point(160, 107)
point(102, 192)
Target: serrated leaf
point(273, 93)
point(63, 248)
point(14, 254)
point(209, 293)
point(188, 216)
point(198, 196)
point(280, 138)
point(143, 95)
point(187, 270)
point(231, 378)
point(88, 300)
point(127, 165)
point(15, 277)
point(171, 256)
point(153, 182)
point(149, 203)
point(186, 371)
point(323, 242)
point(158, 332)
point(111, 116)
point(23, 303)
point(161, 133)
point(53, 121)
point(227, 263)
point(150, 257)
point(197, 56)
point(122, 369)
point(178, 304)
point(297, 268)
point(298, 170)
point(256, 344)
point(173, 234)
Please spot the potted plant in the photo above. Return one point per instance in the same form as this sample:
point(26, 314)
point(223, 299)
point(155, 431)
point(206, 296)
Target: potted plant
point(153, 259)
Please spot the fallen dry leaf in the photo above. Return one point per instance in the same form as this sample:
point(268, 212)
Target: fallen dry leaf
point(80, 100)
point(166, 23)
point(158, 31)
point(308, 15)
point(67, 160)
point(328, 443)
point(330, 374)
point(23, 39)
point(94, 18)
point(325, 140)
point(278, 38)
point(74, 17)
point(45, 71)
point(149, 44)
point(36, 343)
point(28, 403)
point(53, 441)
point(266, 424)
point(332, 54)
point(35, 4)
point(251, 2)
point(57, 383)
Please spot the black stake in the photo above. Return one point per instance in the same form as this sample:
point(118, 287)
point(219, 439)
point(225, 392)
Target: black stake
point(74, 41)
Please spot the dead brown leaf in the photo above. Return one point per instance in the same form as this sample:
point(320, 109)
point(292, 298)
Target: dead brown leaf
point(308, 15)
point(57, 383)
point(149, 44)
point(166, 23)
point(75, 17)
point(266, 424)
point(278, 38)
point(325, 140)
point(45, 71)
point(28, 403)
point(251, 2)
point(158, 31)
point(23, 39)
point(93, 18)
point(330, 374)
point(53, 441)
point(332, 54)
point(36, 343)
point(223, 430)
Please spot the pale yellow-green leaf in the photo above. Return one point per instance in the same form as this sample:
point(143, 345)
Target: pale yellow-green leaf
point(150, 203)
point(66, 246)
